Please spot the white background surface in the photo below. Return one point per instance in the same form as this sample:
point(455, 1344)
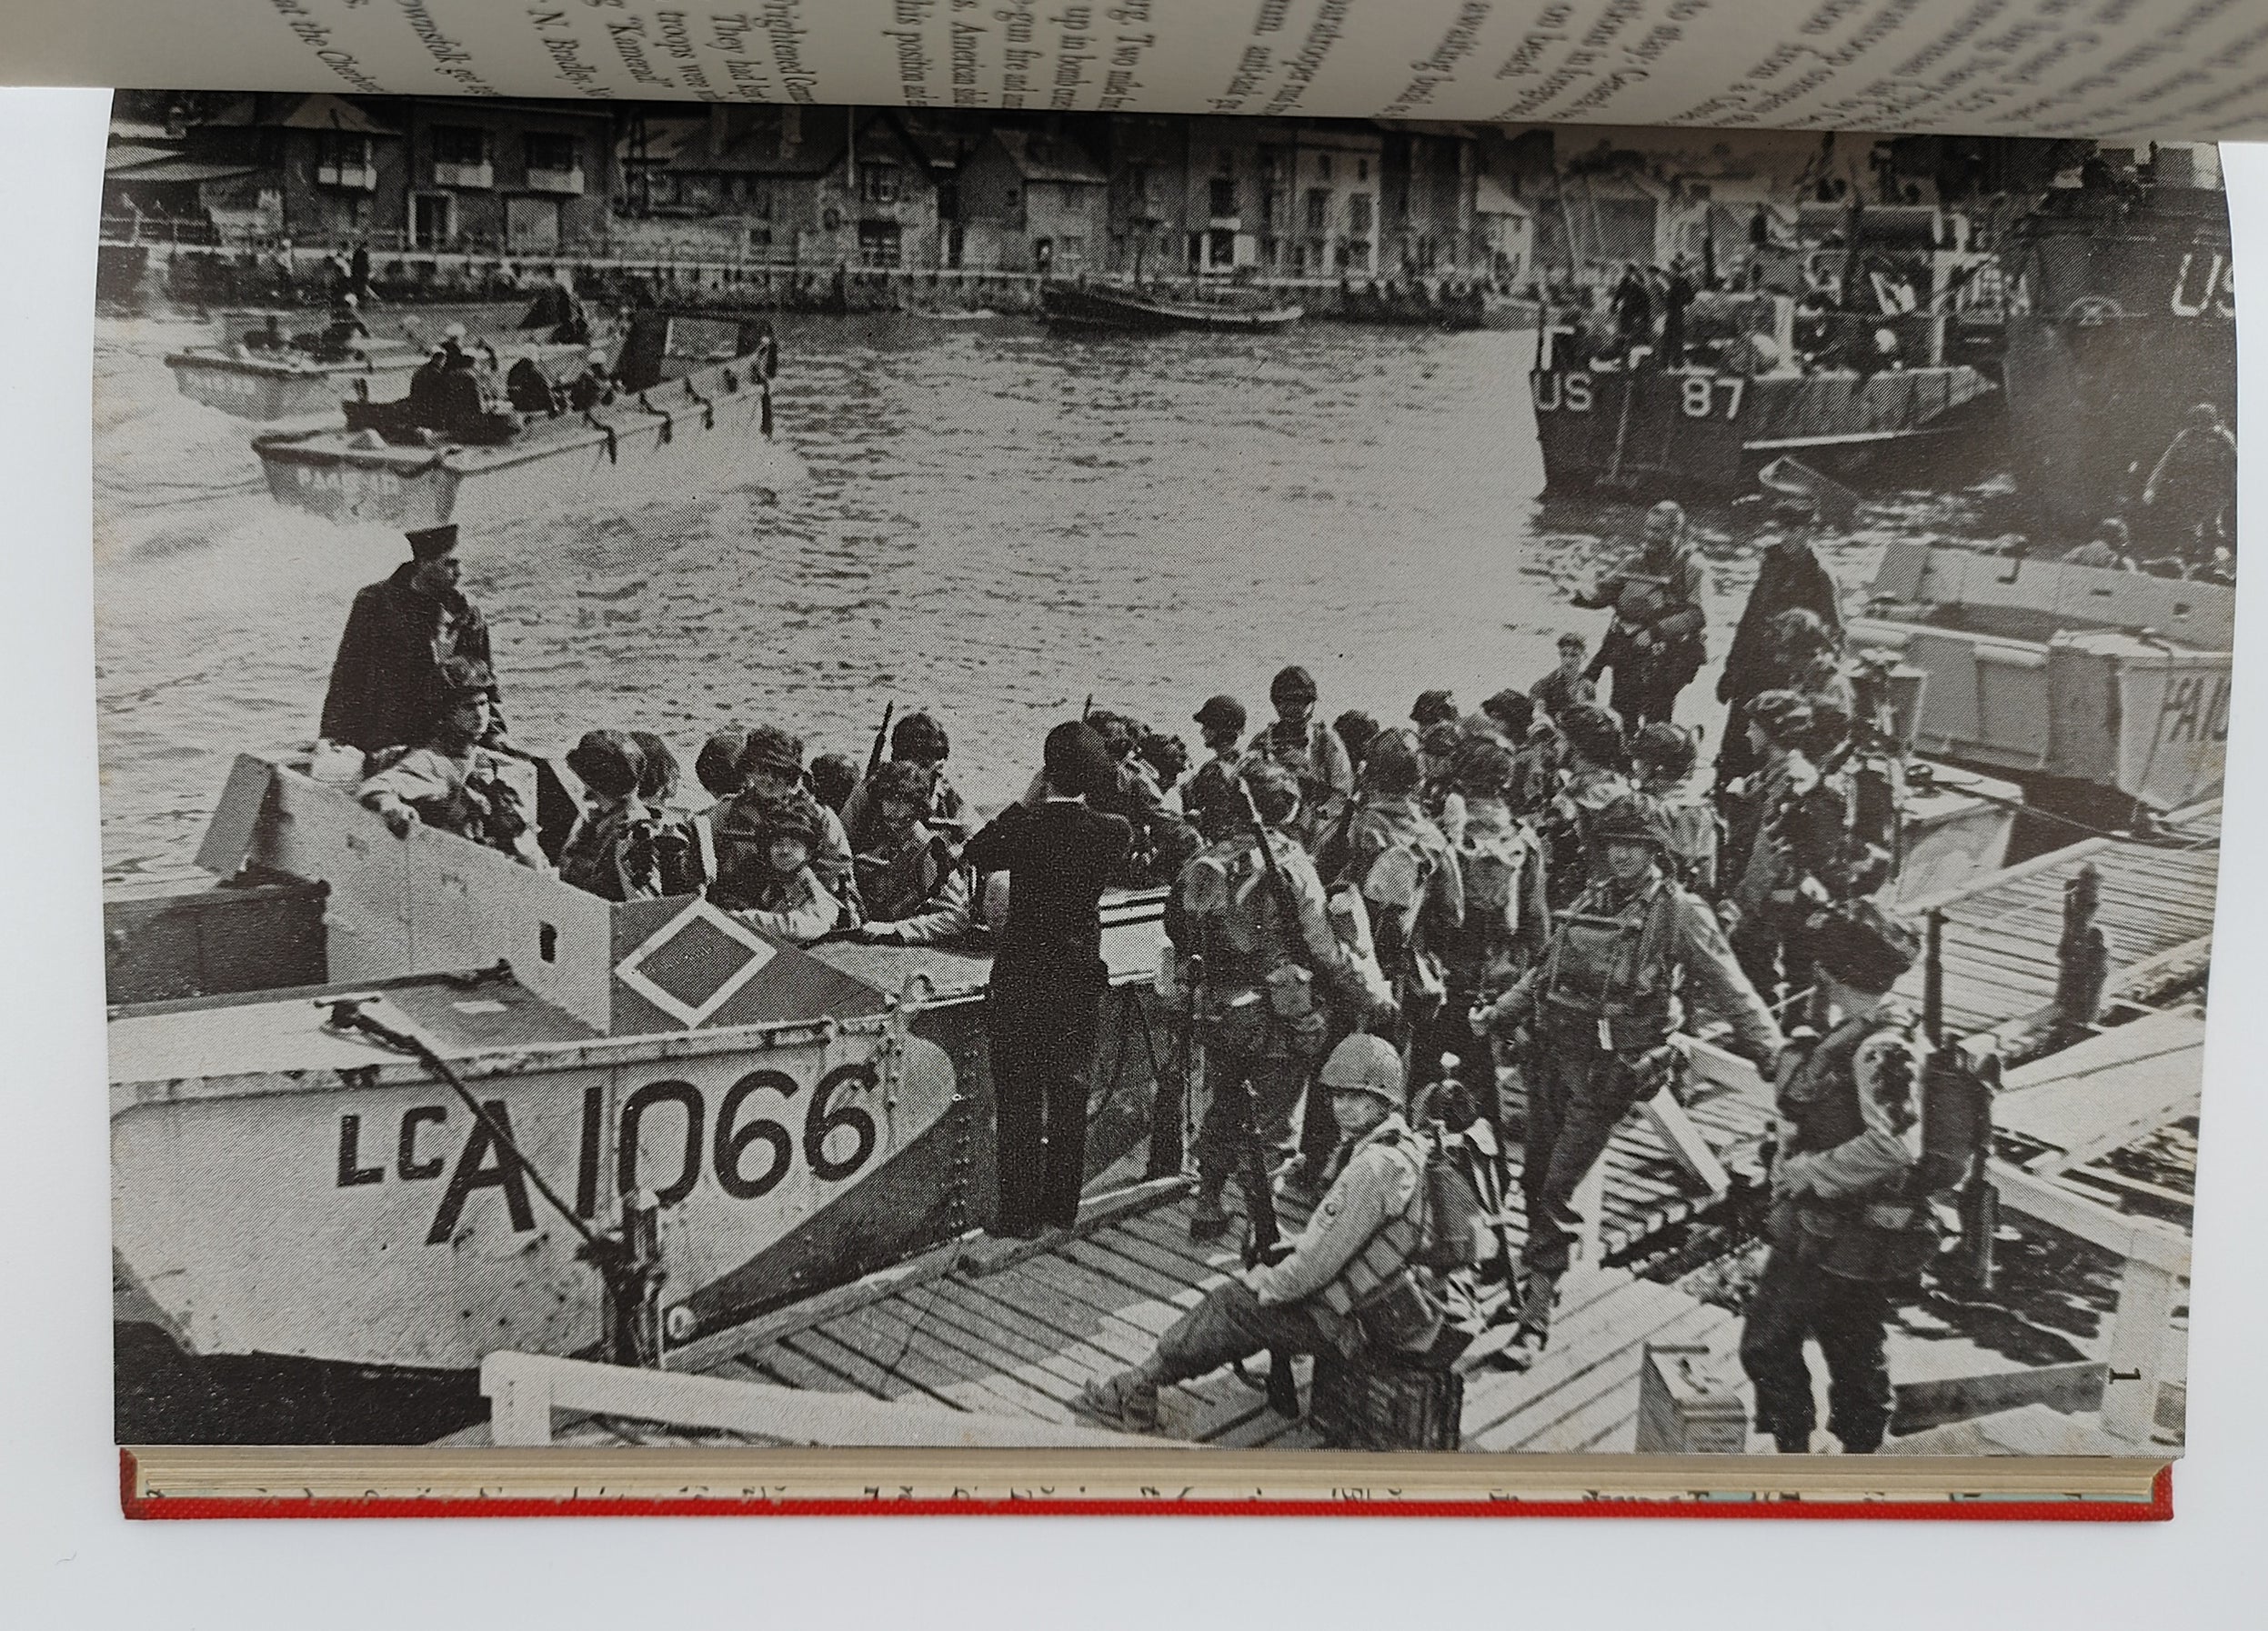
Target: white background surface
point(66, 1557)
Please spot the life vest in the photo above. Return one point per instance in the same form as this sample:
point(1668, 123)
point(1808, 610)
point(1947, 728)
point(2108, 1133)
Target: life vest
point(898, 886)
point(1388, 1252)
point(1611, 972)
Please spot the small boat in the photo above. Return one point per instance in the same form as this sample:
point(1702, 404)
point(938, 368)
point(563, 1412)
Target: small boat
point(1109, 308)
point(261, 368)
point(692, 392)
point(2098, 691)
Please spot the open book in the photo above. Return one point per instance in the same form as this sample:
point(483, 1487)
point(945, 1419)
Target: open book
point(765, 838)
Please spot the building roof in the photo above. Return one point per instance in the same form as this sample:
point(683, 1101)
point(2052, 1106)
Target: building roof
point(1492, 197)
point(180, 169)
point(318, 111)
point(124, 155)
point(1040, 157)
point(761, 148)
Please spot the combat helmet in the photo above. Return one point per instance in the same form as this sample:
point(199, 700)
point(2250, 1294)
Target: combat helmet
point(1366, 1064)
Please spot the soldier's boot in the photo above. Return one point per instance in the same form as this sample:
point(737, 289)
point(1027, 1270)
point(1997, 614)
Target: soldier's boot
point(1127, 1402)
point(1209, 1220)
point(1532, 1328)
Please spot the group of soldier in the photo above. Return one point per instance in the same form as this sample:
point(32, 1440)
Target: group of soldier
point(1547, 882)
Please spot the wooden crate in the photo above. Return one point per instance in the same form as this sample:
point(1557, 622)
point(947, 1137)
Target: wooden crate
point(1369, 1403)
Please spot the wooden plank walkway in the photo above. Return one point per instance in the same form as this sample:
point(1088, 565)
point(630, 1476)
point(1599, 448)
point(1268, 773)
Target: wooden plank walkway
point(2001, 931)
point(1021, 1339)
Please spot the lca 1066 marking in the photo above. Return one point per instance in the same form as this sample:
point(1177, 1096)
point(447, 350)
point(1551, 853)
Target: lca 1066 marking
point(749, 1154)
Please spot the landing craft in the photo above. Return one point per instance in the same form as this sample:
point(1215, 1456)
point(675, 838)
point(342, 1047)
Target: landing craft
point(286, 1187)
point(695, 394)
point(261, 366)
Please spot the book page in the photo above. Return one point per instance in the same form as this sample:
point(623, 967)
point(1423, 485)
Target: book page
point(2109, 68)
point(830, 781)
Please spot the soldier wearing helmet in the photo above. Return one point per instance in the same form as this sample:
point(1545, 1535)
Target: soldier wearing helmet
point(771, 771)
point(913, 885)
point(1258, 956)
point(1597, 1014)
point(1355, 1253)
point(1784, 825)
point(1850, 1216)
point(1310, 750)
point(774, 889)
point(446, 778)
point(1506, 922)
point(918, 740)
point(1656, 643)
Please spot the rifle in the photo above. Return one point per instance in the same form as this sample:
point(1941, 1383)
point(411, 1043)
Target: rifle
point(881, 740)
point(1267, 1234)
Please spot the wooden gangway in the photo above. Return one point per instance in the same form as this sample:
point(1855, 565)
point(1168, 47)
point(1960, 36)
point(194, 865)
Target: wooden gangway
point(2000, 931)
point(1016, 1335)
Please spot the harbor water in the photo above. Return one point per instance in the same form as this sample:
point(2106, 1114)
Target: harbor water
point(992, 523)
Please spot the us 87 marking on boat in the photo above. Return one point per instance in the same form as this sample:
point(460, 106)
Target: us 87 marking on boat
point(745, 1152)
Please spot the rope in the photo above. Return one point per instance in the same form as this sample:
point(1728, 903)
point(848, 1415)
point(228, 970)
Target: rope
point(348, 1015)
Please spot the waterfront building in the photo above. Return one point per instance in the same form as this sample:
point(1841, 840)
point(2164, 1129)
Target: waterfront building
point(527, 178)
point(1031, 200)
point(788, 185)
point(311, 169)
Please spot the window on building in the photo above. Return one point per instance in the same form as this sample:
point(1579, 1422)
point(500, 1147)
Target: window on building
point(548, 150)
point(1362, 169)
point(1322, 166)
point(1138, 188)
point(341, 150)
point(1359, 214)
point(459, 145)
point(949, 201)
point(878, 244)
point(1318, 209)
point(759, 237)
point(759, 203)
point(1224, 196)
point(1070, 253)
point(878, 181)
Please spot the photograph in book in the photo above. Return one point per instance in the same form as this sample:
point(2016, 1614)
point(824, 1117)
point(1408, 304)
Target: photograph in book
point(805, 776)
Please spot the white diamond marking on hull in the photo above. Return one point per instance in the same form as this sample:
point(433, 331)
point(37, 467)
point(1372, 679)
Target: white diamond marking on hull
point(631, 970)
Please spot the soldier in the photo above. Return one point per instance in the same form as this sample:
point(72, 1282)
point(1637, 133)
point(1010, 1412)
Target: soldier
point(1438, 751)
point(1205, 800)
point(679, 861)
point(1785, 830)
point(1355, 730)
point(1257, 952)
point(446, 779)
point(1395, 856)
point(1566, 686)
point(1662, 757)
point(1788, 576)
point(1432, 708)
point(385, 681)
point(1354, 1254)
point(611, 851)
point(1506, 923)
point(918, 740)
point(1044, 1005)
point(1811, 660)
point(1595, 774)
point(1845, 1227)
point(914, 887)
point(1656, 643)
point(1310, 750)
point(2192, 491)
point(1163, 843)
point(779, 893)
point(1599, 1012)
point(771, 766)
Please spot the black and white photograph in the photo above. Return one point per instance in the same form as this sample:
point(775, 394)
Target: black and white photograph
point(788, 775)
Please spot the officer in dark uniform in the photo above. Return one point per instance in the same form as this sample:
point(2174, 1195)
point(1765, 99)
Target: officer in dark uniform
point(387, 680)
point(1044, 1006)
point(1846, 1228)
point(1598, 1011)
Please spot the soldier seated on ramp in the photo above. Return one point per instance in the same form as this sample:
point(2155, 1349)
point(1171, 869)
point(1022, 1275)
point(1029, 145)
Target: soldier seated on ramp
point(1349, 1280)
